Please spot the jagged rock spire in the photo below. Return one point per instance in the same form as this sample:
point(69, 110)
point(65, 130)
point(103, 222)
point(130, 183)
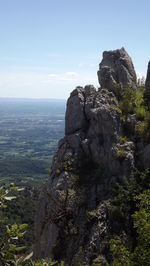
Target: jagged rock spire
point(115, 68)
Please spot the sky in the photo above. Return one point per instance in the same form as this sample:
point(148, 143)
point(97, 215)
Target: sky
point(48, 47)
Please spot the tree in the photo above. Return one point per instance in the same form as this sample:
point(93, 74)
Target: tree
point(141, 254)
point(9, 234)
point(141, 218)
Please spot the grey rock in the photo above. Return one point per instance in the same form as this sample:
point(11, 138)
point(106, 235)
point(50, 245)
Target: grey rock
point(131, 122)
point(125, 155)
point(92, 128)
point(75, 118)
point(46, 238)
point(147, 82)
point(116, 69)
point(85, 168)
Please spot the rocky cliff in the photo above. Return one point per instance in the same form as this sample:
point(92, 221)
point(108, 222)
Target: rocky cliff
point(73, 221)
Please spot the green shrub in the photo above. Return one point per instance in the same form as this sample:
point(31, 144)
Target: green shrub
point(140, 112)
point(140, 128)
point(132, 101)
point(141, 220)
point(10, 234)
point(122, 139)
point(121, 153)
point(121, 255)
point(127, 102)
point(140, 108)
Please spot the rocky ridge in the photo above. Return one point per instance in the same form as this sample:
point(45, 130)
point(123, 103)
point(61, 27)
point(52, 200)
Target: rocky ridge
point(73, 219)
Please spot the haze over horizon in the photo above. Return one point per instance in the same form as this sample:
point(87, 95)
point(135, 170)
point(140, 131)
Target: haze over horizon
point(50, 47)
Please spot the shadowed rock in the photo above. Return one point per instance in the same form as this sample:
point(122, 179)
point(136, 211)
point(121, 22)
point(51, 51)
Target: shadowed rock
point(115, 69)
point(88, 154)
point(72, 219)
point(147, 82)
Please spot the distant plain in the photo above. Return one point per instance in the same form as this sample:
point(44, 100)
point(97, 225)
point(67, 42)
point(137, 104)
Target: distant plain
point(29, 133)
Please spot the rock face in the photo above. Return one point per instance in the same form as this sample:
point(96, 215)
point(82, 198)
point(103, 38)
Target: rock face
point(72, 221)
point(147, 82)
point(116, 69)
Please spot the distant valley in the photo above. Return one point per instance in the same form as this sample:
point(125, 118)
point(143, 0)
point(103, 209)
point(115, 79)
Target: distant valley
point(29, 132)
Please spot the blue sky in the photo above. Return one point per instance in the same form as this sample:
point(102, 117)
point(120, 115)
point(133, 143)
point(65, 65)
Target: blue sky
point(47, 47)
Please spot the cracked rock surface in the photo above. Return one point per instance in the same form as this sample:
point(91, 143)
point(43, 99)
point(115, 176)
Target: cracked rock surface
point(116, 69)
point(72, 218)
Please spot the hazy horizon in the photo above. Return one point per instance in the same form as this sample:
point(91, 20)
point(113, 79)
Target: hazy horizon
point(30, 99)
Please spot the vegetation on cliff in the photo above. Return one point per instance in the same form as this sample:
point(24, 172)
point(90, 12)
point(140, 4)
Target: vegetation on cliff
point(90, 202)
point(94, 208)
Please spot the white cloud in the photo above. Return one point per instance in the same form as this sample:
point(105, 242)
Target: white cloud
point(66, 76)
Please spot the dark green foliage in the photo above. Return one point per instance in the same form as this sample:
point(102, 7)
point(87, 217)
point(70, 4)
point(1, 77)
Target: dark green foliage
point(122, 139)
point(22, 167)
point(131, 207)
point(22, 210)
point(9, 233)
point(132, 101)
point(127, 102)
point(141, 218)
point(121, 153)
point(142, 129)
point(122, 255)
point(140, 108)
point(126, 189)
